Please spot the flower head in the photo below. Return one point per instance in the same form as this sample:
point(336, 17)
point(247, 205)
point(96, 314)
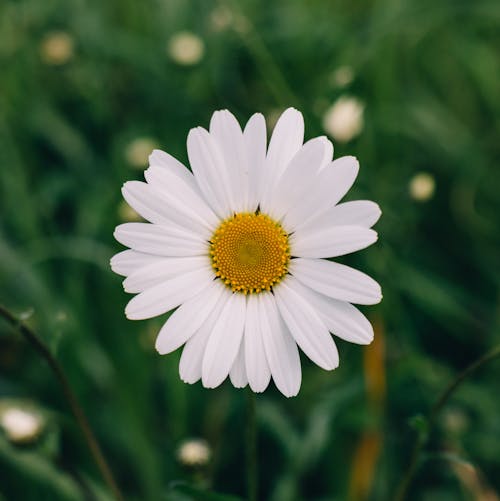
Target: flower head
point(186, 48)
point(344, 119)
point(137, 151)
point(21, 425)
point(57, 48)
point(342, 76)
point(194, 452)
point(238, 246)
point(422, 186)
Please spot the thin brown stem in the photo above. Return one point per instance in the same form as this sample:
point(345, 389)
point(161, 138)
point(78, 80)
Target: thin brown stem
point(421, 439)
point(77, 410)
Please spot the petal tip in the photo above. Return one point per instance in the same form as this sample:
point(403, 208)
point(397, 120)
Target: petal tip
point(130, 315)
point(195, 132)
point(292, 112)
point(239, 386)
point(188, 380)
point(159, 349)
point(131, 311)
point(367, 341)
point(155, 153)
point(290, 392)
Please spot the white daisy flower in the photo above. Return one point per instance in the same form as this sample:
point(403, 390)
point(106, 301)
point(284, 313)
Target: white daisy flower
point(238, 246)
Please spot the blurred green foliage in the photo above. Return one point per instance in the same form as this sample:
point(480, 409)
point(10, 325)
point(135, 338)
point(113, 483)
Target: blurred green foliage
point(81, 81)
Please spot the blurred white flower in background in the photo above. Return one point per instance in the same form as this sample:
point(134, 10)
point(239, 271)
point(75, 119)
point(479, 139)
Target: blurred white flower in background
point(221, 18)
point(344, 119)
point(194, 452)
point(422, 186)
point(20, 425)
point(138, 150)
point(342, 76)
point(57, 48)
point(186, 48)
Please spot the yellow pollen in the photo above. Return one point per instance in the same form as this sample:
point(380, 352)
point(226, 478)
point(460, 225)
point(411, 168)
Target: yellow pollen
point(250, 252)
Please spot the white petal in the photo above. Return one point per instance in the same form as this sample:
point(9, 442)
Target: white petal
point(165, 269)
point(167, 295)
point(306, 326)
point(159, 207)
point(328, 153)
point(286, 140)
point(168, 240)
point(126, 262)
point(294, 184)
point(224, 342)
point(226, 131)
point(162, 159)
point(357, 213)
point(256, 364)
point(255, 139)
point(181, 195)
point(336, 280)
point(188, 318)
point(238, 373)
point(149, 205)
point(192, 357)
point(192, 354)
point(209, 170)
point(331, 241)
point(332, 183)
point(281, 350)
point(341, 318)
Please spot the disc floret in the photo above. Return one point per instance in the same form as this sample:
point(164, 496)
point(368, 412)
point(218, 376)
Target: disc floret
point(250, 252)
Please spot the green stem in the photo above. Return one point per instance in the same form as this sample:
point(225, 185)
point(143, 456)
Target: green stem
point(251, 446)
point(435, 409)
point(70, 396)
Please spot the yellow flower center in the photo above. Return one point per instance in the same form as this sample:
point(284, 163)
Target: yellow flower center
point(250, 252)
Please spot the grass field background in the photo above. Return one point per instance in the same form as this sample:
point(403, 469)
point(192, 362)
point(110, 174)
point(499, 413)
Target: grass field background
point(86, 87)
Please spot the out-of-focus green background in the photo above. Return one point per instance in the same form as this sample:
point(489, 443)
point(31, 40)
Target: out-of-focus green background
point(88, 88)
